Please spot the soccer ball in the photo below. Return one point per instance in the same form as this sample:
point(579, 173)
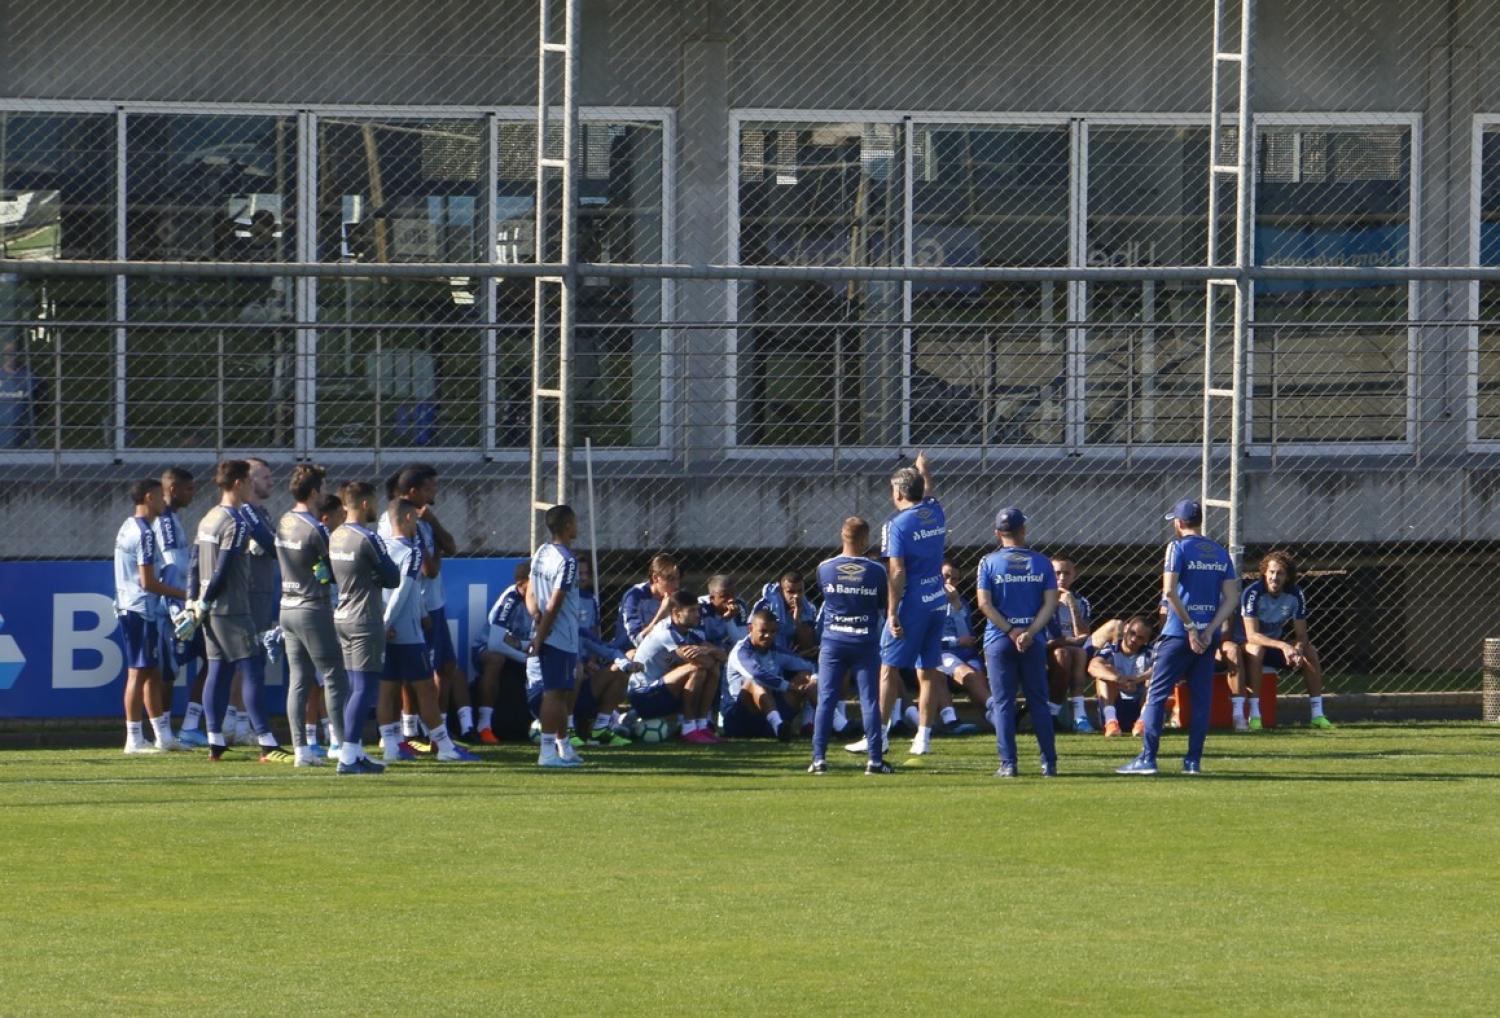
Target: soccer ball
point(655, 730)
point(536, 731)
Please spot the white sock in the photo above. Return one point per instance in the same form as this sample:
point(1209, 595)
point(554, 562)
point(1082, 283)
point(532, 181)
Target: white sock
point(924, 735)
point(216, 739)
point(162, 726)
point(133, 733)
point(1109, 714)
point(1236, 708)
point(465, 720)
point(1079, 713)
point(1055, 708)
point(348, 753)
point(1316, 703)
point(913, 717)
point(310, 734)
point(409, 725)
point(773, 718)
point(548, 749)
point(601, 722)
point(1255, 706)
point(191, 719)
point(231, 726)
point(949, 715)
point(268, 740)
point(442, 738)
point(486, 717)
point(560, 744)
point(689, 726)
point(390, 737)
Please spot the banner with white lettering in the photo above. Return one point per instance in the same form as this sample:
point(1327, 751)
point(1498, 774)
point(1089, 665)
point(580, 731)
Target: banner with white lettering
point(60, 649)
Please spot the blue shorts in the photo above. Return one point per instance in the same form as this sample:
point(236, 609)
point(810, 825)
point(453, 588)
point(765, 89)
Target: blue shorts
point(142, 639)
point(1233, 631)
point(654, 700)
point(1128, 710)
point(439, 641)
point(557, 668)
point(1272, 657)
point(740, 720)
point(921, 643)
point(406, 662)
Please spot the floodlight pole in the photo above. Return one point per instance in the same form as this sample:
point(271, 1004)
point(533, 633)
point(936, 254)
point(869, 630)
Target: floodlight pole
point(549, 166)
point(1235, 101)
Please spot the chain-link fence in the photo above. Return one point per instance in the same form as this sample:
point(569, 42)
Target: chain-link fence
point(814, 238)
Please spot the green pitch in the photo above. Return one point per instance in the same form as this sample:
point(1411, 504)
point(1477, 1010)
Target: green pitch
point(1351, 873)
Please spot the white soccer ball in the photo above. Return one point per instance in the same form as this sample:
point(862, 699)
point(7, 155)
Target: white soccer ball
point(654, 730)
point(536, 731)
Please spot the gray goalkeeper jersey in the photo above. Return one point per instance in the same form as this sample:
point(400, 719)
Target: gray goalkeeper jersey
point(361, 568)
point(302, 545)
point(221, 529)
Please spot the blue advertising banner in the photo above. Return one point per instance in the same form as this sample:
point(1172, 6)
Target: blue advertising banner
point(61, 656)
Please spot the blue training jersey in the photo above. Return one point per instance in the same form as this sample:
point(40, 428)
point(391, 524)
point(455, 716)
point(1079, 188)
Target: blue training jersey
point(1017, 580)
point(774, 601)
point(769, 669)
point(403, 603)
point(135, 546)
point(1202, 565)
point(854, 599)
point(657, 654)
point(957, 625)
point(638, 607)
point(176, 548)
point(1274, 612)
point(918, 536)
point(554, 568)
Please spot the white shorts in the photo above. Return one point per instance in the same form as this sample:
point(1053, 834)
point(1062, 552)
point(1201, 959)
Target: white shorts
point(951, 661)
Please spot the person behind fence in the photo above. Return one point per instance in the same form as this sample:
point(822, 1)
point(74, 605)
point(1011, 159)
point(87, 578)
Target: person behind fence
point(1274, 609)
point(913, 542)
point(17, 390)
point(311, 644)
point(765, 686)
point(603, 672)
point(501, 648)
point(796, 621)
point(961, 656)
point(853, 594)
point(1120, 669)
point(1067, 659)
point(362, 570)
point(176, 547)
point(552, 654)
point(645, 604)
point(1017, 592)
point(138, 593)
point(1202, 591)
point(680, 671)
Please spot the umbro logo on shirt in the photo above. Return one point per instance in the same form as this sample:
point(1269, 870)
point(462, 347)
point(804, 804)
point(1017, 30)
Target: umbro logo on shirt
point(851, 570)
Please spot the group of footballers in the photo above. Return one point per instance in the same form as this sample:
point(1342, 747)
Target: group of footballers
point(347, 587)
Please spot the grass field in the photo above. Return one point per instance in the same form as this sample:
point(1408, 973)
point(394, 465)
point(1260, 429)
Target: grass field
point(1349, 873)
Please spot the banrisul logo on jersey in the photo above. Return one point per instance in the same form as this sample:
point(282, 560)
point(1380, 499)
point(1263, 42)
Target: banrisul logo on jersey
point(11, 658)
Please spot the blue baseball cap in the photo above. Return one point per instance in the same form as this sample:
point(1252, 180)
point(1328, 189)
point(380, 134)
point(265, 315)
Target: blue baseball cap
point(1009, 520)
point(1188, 511)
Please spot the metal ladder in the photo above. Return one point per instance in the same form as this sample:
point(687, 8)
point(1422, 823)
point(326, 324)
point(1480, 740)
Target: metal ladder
point(1236, 103)
point(548, 165)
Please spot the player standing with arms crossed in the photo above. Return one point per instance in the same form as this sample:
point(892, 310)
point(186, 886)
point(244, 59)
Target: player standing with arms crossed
point(312, 645)
point(913, 544)
point(854, 590)
point(138, 594)
point(362, 569)
point(1017, 592)
point(1202, 590)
